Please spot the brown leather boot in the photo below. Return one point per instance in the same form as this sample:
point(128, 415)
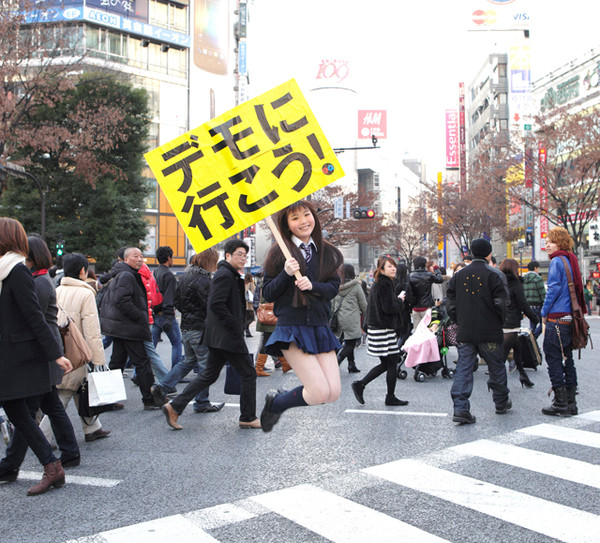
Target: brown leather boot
point(261, 359)
point(284, 364)
point(54, 475)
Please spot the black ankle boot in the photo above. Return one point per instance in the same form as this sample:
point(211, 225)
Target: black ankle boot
point(571, 401)
point(560, 405)
point(352, 368)
point(525, 381)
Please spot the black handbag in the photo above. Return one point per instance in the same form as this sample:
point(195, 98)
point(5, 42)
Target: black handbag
point(83, 407)
point(233, 382)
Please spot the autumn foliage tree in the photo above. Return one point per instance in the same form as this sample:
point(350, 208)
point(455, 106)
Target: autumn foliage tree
point(554, 172)
point(39, 63)
point(415, 234)
point(93, 218)
point(470, 214)
point(347, 231)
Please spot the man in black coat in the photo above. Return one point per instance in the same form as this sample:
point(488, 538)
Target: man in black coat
point(476, 302)
point(124, 317)
point(164, 314)
point(224, 337)
point(420, 281)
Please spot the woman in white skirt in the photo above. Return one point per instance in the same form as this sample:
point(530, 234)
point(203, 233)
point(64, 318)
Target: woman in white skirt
point(384, 318)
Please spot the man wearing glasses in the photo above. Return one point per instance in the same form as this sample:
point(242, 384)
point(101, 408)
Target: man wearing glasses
point(224, 337)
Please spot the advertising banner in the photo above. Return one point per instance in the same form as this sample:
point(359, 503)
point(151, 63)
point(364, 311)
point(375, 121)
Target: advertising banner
point(372, 123)
point(244, 165)
point(452, 140)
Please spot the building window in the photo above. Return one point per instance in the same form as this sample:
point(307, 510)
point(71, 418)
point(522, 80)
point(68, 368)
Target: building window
point(501, 70)
point(503, 124)
point(169, 15)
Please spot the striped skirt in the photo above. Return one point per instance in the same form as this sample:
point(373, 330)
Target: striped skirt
point(382, 342)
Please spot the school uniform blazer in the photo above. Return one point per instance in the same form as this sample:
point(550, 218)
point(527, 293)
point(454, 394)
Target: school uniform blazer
point(26, 341)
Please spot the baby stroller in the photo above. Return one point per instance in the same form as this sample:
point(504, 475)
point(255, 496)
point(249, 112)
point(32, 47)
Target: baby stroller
point(425, 350)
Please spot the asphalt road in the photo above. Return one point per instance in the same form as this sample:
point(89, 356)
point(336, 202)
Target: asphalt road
point(341, 472)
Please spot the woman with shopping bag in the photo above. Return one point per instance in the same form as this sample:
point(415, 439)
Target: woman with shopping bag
point(76, 300)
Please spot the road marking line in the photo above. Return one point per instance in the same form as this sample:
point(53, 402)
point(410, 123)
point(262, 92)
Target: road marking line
point(536, 461)
point(77, 479)
point(218, 515)
point(542, 516)
point(592, 415)
point(401, 413)
point(339, 519)
point(561, 433)
point(173, 528)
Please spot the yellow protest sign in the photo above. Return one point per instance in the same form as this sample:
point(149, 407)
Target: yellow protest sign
point(244, 165)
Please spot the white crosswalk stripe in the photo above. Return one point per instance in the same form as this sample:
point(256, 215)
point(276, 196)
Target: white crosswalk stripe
point(342, 520)
point(542, 516)
point(537, 461)
point(338, 519)
point(561, 433)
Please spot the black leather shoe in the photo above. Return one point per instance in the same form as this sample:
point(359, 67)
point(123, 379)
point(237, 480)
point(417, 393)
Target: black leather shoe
point(159, 396)
point(212, 408)
point(504, 408)
point(8, 475)
point(268, 419)
point(98, 434)
point(353, 369)
point(463, 417)
point(358, 388)
point(71, 462)
point(392, 400)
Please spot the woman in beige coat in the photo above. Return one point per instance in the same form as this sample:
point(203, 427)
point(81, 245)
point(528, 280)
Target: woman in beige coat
point(77, 299)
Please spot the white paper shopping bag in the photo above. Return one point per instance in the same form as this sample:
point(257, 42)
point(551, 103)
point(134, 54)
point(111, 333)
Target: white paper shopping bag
point(106, 387)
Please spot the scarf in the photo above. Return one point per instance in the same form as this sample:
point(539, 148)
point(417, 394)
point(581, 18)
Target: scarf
point(37, 273)
point(576, 276)
point(7, 262)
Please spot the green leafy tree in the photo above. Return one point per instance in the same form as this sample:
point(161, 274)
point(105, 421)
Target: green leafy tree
point(94, 216)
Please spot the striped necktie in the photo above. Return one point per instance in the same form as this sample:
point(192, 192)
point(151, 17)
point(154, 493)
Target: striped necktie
point(307, 250)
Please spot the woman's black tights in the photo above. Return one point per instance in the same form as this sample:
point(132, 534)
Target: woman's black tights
point(388, 364)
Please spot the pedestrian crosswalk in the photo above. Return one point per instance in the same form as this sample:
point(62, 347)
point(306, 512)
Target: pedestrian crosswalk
point(326, 512)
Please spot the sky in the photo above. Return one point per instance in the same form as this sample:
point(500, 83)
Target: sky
point(405, 57)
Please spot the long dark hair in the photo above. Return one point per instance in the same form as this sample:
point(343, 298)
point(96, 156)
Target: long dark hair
point(330, 258)
point(38, 254)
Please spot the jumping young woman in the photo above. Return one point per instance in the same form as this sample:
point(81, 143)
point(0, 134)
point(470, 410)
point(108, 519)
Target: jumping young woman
point(303, 308)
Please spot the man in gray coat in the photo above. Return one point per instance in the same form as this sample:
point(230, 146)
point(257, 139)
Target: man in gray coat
point(224, 337)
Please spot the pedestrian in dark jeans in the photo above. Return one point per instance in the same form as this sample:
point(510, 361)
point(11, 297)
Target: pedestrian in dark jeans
point(476, 302)
point(224, 337)
point(535, 294)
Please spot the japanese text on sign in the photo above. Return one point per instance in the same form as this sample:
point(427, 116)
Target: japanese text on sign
point(244, 165)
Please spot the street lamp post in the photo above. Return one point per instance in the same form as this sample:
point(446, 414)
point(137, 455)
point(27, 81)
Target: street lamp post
point(19, 171)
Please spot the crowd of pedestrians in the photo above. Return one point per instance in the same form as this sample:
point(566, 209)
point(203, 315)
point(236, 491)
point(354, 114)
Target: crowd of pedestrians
point(320, 314)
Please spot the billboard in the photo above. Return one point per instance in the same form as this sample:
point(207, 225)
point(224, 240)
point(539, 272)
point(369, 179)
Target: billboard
point(372, 122)
point(486, 15)
point(452, 139)
point(244, 165)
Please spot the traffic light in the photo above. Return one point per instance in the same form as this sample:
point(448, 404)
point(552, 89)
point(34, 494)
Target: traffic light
point(60, 247)
point(364, 213)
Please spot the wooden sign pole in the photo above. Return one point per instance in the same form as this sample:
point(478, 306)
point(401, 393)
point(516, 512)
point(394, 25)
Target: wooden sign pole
point(280, 242)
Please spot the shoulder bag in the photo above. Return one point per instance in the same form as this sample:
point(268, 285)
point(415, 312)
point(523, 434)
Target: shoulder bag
point(265, 314)
point(76, 348)
point(581, 329)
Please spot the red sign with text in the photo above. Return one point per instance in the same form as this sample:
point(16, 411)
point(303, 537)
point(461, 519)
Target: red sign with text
point(372, 122)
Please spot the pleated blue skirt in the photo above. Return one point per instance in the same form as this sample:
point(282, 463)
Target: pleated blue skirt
point(310, 339)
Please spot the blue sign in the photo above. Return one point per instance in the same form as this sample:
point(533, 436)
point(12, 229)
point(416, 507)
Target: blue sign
point(242, 65)
point(79, 13)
